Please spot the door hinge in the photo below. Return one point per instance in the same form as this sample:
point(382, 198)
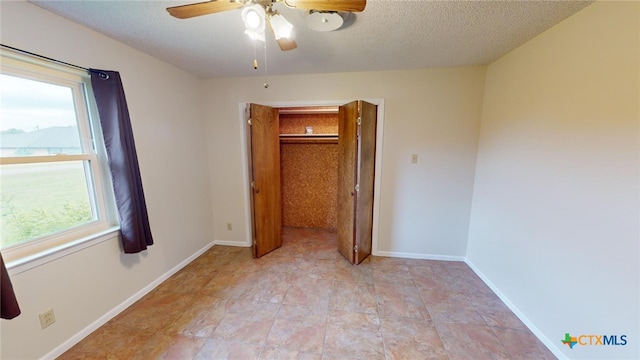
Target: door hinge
point(355, 249)
point(249, 121)
point(359, 121)
point(357, 187)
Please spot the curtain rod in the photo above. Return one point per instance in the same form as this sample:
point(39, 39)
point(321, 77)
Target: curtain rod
point(43, 57)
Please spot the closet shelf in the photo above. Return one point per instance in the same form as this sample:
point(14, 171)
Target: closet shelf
point(309, 135)
point(309, 138)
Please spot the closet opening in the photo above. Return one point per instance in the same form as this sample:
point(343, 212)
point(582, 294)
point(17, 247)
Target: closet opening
point(309, 167)
point(312, 168)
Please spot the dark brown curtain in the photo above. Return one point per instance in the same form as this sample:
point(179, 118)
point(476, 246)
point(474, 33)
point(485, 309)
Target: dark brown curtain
point(123, 160)
point(8, 304)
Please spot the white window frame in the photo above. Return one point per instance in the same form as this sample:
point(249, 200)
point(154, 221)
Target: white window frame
point(93, 157)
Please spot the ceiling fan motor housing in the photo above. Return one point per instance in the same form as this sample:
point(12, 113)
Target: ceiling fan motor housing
point(324, 20)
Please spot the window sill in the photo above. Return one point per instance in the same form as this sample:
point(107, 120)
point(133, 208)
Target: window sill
point(41, 258)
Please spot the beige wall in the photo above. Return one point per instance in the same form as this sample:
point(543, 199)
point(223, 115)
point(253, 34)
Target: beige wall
point(555, 219)
point(166, 114)
point(424, 208)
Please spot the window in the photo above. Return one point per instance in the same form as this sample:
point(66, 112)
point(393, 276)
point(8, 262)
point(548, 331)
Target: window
point(53, 183)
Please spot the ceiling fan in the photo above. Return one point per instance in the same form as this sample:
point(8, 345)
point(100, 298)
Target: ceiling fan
point(255, 13)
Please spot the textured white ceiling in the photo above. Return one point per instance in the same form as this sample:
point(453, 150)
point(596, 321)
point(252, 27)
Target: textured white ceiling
point(388, 35)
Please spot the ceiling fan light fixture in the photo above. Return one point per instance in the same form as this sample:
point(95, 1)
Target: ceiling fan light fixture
point(254, 21)
point(281, 27)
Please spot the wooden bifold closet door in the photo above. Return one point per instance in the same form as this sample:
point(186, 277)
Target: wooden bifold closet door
point(264, 176)
point(356, 168)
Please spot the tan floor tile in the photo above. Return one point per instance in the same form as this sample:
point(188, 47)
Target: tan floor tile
point(247, 322)
point(352, 296)
point(354, 334)
point(203, 316)
point(522, 344)
point(314, 244)
point(108, 341)
point(346, 271)
point(279, 353)
point(465, 341)
point(431, 277)
point(275, 262)
point(267, 287)
point(299, 328)
point(309, 291)
point(244, 265)
point(392, 276)
point(383, 261)
point(503, 319)
point(487, 302)
point(466, 281)
point(228, 284)
point(216, 349)
point(329, 356)
point(184, 282)
point(165, 347)
point(318, 269)
point(400, 300)
point(154, 311)
point(451, 307)
point(407, 338)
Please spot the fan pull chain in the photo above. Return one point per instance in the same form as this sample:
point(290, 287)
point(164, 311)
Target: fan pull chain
point(266, 78)
point(255, 57)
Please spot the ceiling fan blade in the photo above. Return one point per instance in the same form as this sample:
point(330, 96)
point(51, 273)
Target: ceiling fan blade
point(286, 44)
point(203, 8)
point(328, 5)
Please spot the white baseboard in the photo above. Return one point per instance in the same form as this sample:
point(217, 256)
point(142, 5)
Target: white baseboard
point(231, 243)
point(60, 349)
point(539, 334)
point(419, 256)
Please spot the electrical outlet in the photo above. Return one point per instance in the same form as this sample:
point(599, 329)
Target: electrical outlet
point(47, 318)
point(229, 226)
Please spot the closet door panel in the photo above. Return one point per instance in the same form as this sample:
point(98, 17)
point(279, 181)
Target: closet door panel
point(264, 170)
point(365, 179)
point(347, 153)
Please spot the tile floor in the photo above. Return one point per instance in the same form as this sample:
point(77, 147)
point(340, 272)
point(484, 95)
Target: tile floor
point(304, 301)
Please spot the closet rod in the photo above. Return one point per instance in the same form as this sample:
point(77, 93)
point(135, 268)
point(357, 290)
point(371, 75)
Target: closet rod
point(309, 110)
point(43, 57)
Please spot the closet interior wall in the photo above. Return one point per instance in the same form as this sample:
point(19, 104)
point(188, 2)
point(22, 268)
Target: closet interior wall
point(309, 169)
